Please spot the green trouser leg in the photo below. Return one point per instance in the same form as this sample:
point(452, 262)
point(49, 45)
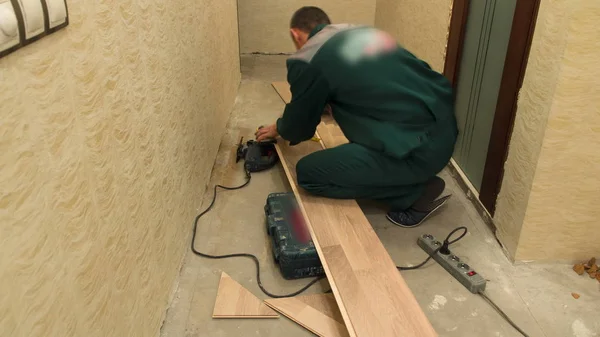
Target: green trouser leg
point(352, 171)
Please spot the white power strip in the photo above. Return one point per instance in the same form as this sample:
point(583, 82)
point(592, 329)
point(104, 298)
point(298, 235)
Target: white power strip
point(461, 271)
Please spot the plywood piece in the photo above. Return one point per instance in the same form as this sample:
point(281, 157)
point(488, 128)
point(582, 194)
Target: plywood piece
point(235, 301)
point(373, 298)
point(313, 313)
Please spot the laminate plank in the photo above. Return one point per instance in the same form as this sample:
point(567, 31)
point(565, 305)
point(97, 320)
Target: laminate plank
point(324, 303)
point(235, 301)
point(308, 313)
point(372, 297)
point(330, 133)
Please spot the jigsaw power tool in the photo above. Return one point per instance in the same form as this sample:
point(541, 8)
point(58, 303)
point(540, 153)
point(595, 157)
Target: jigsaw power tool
point(258, 156)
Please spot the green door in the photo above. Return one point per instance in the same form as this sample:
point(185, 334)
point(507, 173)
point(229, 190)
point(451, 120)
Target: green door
point(486, 42)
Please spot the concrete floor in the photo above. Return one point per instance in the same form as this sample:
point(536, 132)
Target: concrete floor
point(537, 297)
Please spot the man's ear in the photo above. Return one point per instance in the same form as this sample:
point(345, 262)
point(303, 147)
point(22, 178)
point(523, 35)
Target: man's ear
point(299, 37)
point(295, 34)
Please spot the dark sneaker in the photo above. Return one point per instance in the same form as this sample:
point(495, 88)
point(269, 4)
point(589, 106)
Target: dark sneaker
point(411, 218)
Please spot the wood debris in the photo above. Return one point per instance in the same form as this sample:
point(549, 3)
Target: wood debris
point(235, 301)
point(591, 263)
point(575, 295)
point(579, 268)
point(590, 267)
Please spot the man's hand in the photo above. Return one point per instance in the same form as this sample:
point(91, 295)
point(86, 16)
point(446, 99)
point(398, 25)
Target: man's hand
point(266, 133)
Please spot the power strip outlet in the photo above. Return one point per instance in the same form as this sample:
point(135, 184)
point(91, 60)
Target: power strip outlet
point(461, 271)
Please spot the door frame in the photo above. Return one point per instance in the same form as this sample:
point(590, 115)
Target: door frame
point(515, 65)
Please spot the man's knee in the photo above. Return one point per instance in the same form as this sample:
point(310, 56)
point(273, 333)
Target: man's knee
point(307, 174)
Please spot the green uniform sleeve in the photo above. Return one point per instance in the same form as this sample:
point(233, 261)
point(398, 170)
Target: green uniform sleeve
point(310, 91)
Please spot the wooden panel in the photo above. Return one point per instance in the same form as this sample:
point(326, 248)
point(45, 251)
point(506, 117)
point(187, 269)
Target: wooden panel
point(456, 39)
point(235, 301)
point(486, 46)
point(373, 298)
point(521, 35)
point(308, 312)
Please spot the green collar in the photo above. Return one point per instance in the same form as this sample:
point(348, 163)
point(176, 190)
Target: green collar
point(317, 30)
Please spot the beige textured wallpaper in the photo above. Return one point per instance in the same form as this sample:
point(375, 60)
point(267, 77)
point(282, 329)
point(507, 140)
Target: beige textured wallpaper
point(546, 207)
point(109, 131)
point(421, 26)
point(264, 24)
point(535, 100)
point(563, 206)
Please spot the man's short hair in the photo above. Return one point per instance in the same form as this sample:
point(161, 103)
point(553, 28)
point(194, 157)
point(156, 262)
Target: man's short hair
point(309, 17)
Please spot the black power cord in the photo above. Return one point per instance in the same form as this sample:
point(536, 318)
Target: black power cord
point(250, 256)
point(444, 249)
point(502, 313)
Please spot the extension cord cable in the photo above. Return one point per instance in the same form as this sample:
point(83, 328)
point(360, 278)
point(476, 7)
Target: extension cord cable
point(246, 255)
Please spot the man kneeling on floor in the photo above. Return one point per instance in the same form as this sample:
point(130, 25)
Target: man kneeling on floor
point(394, 109)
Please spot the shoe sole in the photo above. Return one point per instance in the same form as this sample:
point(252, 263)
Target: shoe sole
point(439, 203)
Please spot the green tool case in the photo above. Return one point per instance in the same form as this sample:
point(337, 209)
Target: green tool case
point(293, 248)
